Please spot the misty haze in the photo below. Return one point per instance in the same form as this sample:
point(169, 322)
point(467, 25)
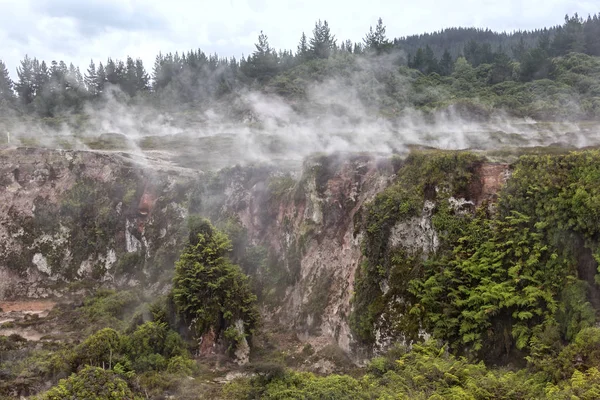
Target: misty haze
point(273, 200)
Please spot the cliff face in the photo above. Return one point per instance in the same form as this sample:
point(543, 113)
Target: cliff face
point(71, 216)
point(313, 228)
point(110, 218)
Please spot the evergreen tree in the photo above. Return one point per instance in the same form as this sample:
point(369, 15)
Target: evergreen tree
point(376, 40)
point(591, 33)
point(570, 37)
point(100, 79)
point(41, 77)
point(157, 72)
point(263, 64)
point(6, 84)
point(323, 42)
point(111, 72)
point(478, 53)
point(347, 46)
point(141, 77)
point(129, 82)
point(302, 50)
point(418, 61)
point(431, 63)
point(91, 79)
point(502, 68)
point(24, 86)
point(518, 51)
point(535, 65)
point(446, 64)
point(210, 292)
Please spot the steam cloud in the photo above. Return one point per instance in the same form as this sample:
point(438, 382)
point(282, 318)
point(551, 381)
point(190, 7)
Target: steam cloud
point(337, 116)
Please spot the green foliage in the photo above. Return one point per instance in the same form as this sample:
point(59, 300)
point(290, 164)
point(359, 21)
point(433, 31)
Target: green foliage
point(424, 176)
point(152, 345)
point(210, 292)
point(108, 308)
point(427, 371)
point(91, 383)
point(99, 349)
point(501, 285)
point(507, 275)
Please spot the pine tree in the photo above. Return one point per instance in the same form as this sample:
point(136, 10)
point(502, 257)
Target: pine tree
point(100, 79)
point(263, 64)
point(262, 47)
point(502, 68)
point(129, 82)
point(209, 291)
point(591, 33)
point(348, 46)
point(569, 38)
point(323, 42)
point(157, 72)
point(430, 62)
point(358, 49)
point(6, 84)
point(519, 50)
point(40, 78)
point(141, 77)
point(418, 61)
point(302, 51)
point(111, 72)
point(376, 40)
point(446, 64)
point(24, 86)
point(91, 79)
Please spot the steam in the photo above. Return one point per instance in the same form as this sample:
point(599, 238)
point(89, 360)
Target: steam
point(340, 114)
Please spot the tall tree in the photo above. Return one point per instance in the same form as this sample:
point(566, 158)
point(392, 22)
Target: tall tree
point(302, 50)
point(91, 79)
point(375, 40)
point(211, 294)
point(518, 50)
point(111, 72)
point(570, 37)
point(6, 84)
point(263, 64)
point(129, 81)
point(535, 65)
point(141, 77)
point(24, 86)
point(41, 77)
point(502, 68)
point(591, 33)
point(100, 78)
point(446, 64)
point(358, 48)
point(431, 63)
point(323, 42)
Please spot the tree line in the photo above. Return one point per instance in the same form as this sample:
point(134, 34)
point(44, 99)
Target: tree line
point(195, 77)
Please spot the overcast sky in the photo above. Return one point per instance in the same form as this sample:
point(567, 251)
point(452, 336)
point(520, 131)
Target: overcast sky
point(78, 30)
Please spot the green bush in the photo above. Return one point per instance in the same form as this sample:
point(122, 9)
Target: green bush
point(91, 383)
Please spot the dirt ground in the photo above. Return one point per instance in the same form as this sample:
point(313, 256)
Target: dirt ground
point(27, 307)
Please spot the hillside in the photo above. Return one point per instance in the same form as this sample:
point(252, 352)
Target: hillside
point(339, 222)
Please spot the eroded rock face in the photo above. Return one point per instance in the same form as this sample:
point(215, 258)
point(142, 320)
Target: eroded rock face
point(312, 230)
point(69, 216)
point(73, 215)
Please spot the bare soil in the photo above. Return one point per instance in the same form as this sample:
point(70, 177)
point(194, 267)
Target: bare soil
point(27, 307)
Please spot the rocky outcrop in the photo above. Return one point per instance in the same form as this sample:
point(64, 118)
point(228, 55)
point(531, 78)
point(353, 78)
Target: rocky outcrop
point(310, 227)
point(112, 218)
point(69, 216)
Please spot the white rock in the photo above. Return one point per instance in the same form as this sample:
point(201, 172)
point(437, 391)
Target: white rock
point(41, 263)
